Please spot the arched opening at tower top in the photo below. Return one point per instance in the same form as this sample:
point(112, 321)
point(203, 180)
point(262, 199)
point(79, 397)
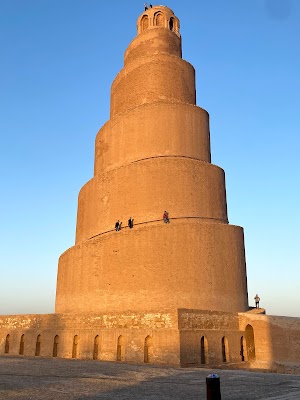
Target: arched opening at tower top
point(144, 22)
point(159, 19)
point(171, 24)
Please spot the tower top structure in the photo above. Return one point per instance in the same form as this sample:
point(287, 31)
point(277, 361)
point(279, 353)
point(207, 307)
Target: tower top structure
point(158, 17)
point(158, 33)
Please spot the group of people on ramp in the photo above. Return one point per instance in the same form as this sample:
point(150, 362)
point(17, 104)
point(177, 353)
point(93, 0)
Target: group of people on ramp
point(118, 224)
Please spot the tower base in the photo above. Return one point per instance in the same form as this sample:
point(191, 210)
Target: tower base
point(183, 337)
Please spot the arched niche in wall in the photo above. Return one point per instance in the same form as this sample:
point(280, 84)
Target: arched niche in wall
point(96, 347)
point(243, 351)
point(249, 333)
point(38, 346)
point(204, 350)
point(22, 345)
point(55, 346)
point(148, 349)
point(225, 350)
point(121, 348)
point(7, 341)
point(75, 346)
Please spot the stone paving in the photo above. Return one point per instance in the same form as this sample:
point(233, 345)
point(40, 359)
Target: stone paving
point(24, 378)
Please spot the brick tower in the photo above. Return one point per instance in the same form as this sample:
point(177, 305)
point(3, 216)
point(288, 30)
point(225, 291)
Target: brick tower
point(172, 293)
point(154, 155)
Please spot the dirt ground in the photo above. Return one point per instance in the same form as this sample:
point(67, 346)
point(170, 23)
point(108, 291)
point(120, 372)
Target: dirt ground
point(24, 378)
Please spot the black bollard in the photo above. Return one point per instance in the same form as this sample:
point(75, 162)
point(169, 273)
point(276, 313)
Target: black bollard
point(213, 391)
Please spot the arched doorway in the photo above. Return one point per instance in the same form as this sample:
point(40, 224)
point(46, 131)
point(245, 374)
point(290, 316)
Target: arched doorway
point(38, 346)
point(22, 344)
point(7, 341)
point(96, 348)
point(249, 333)
point(148, 349)
point(121, 349)
point(75, 346)
point(225, 349)
point(55, 346)
point(203, 350)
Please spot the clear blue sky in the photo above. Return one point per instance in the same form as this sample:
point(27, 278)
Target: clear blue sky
point(58, 59)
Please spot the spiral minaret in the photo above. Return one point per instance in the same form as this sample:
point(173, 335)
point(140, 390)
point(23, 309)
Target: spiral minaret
point(154, 155)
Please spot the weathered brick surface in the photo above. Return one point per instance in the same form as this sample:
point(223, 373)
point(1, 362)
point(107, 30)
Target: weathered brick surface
point(133, 327)
point(276, 338)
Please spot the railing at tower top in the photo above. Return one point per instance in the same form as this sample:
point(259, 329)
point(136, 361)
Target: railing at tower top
point(218, 220)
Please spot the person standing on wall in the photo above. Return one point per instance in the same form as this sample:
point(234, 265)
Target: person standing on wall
point(257, 300)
